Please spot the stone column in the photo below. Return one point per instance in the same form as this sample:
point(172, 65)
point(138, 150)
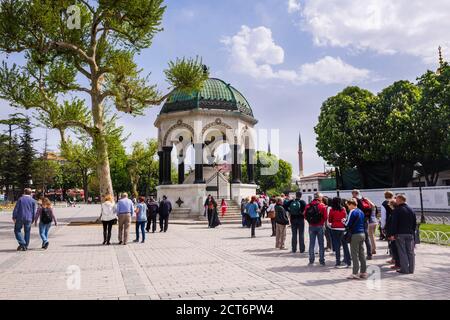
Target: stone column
point(198, 147)
point(167, 165)
point(161, 167)
point(181, 169)
point(250, 159)
point(236, 167)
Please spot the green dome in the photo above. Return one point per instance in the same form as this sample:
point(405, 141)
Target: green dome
point(215, 94)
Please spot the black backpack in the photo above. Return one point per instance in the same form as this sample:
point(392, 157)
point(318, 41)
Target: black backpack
point(45, 216)
point(313, 214)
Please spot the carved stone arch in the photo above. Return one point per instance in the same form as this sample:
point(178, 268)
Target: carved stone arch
point(179, 125)
point(218, 124)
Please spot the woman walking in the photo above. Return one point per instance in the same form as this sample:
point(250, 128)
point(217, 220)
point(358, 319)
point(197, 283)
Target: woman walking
point(46, 217)
point(282, 222)
point(253, 212)
point(224, 207)
point(355, 225)
point(141, 218)
point(336, 220)
point(108, 218)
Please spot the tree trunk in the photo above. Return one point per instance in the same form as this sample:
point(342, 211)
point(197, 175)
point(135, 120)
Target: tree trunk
point(103, 170)
point(85, 185)
point(99, 138)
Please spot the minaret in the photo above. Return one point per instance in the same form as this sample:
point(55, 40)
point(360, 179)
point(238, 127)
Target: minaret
point(300, 155)
point(441, 61)
point(268, 149)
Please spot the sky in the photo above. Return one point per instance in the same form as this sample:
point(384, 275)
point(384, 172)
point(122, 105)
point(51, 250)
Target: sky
point(288, 56)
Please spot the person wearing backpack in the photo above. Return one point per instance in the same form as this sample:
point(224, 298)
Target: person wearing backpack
point(46, 217)
point(282, 222)
point(296, 211)
point(366, 206)
point(316, 215)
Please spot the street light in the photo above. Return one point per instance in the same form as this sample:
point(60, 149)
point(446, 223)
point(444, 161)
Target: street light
point(418, 165)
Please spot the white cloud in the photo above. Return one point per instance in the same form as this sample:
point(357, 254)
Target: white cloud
point(413, 27)
point(331, 70)
point(294, 6)
point(254, 52)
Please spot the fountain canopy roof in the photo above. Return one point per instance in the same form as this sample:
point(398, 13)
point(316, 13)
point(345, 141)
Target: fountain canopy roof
point(214, 95)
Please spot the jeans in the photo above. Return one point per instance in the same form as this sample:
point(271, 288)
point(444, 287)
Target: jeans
point(357, 249)
point(316, 232)
point(18, 232)
point(405, 246)
point(107, 227)
point(328, 238)
point(367, 241)
point(43, 231)
point(140, 225)
point(298, 227)
point(253, 224)
point(151, 223)
point(338, 240)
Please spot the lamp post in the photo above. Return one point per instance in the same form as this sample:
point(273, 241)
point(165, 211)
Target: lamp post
point(418, 165)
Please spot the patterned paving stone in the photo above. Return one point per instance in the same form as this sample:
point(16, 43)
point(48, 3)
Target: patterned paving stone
point(194, 262)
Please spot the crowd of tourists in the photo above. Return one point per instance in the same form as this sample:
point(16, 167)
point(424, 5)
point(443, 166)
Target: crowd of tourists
point(337, 224)
point(333, 224)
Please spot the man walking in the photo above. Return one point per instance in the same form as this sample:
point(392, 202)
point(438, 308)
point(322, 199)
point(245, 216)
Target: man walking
point(125, 209)
point(23, 216)
point(165, 208)
point(403, 227)
point(152, 211)
point(316, 215)
point(296, 211)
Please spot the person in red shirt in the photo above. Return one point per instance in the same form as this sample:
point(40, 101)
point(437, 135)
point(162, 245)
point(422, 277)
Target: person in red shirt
point(336, 220)
point(316, 215)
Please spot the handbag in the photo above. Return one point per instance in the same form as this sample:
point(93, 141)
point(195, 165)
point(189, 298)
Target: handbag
point(271, 215)
point(348, 233)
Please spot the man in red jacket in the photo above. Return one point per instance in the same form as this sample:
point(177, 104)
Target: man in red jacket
point(316, 215)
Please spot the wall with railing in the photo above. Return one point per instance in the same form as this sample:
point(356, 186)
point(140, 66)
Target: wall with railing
point(435, 199)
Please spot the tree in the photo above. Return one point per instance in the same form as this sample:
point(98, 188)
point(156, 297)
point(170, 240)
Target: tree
point(61, 58)
point(81, 156)
point(26, 156)
point(10, 164)
point(276, 183)
point(344, 131)
point(394, 134)
point(431, 122)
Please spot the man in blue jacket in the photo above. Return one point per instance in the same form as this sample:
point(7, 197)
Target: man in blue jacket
point(23, 216)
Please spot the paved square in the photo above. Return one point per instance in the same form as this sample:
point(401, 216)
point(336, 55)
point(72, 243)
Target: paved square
point(194, 262)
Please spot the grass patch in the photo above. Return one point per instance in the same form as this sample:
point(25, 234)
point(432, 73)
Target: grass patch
point(435, 227)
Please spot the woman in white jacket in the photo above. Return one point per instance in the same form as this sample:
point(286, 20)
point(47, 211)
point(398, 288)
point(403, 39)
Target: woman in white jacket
point(108, 217)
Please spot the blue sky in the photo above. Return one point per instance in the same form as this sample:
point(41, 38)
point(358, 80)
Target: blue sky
point(288, 56)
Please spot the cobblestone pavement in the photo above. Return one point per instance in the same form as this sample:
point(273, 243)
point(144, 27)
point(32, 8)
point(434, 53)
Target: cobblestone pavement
point(194, 262)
